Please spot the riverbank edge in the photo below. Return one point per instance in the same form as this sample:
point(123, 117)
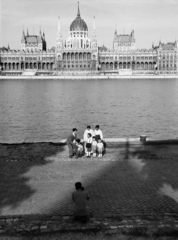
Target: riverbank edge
point(109, 141)
point(140, 224)
point(80, 77)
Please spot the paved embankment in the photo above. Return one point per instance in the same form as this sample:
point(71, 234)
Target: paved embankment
point(133, 185)
point(91, 77)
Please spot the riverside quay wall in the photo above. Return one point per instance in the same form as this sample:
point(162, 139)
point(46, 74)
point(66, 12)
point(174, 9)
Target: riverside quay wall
point(88, 77)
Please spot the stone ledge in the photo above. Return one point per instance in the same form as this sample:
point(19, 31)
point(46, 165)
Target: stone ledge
point(109, 142)
point(37, 224)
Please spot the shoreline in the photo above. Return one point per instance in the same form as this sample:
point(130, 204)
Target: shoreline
point(107, 140)
point(96, 77)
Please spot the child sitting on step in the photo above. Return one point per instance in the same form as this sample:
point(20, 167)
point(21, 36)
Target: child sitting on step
point(79, 148)
point(94, 146)
point(100, 148)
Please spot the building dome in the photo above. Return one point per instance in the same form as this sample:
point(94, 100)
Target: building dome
point(78, 24)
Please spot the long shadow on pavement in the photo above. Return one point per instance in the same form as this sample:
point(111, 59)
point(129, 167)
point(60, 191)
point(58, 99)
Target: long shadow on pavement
point(129, 178)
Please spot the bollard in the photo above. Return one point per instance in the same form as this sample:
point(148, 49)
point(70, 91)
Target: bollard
point(143, 138)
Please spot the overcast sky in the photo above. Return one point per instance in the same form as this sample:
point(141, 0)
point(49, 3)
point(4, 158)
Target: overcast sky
point(152, 20)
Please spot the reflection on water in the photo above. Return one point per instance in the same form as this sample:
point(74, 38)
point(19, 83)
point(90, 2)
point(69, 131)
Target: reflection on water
point(167, 190)
point(43, 110)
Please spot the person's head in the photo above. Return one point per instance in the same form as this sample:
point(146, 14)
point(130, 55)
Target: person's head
point(74, 130)
point(99, 140)
point(78, 140)
point(97, 127)
point(78, 185)
point(89, 135)
point(94, 138)
point(88, 127)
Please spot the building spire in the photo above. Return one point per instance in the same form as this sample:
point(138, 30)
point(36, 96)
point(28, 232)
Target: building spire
point(160, 41)
point(27, 32)
point(59, 24)
point(23, 36)
point(115, 29)
point(94, 26)
point(40, 31)
point(78, 12)
point(8, 47)
point(43, 34)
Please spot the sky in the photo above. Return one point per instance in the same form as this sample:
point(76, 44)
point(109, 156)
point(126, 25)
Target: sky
point(152, 20)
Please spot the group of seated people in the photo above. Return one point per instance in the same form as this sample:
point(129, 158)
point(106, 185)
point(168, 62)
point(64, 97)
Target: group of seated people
point(92, 143)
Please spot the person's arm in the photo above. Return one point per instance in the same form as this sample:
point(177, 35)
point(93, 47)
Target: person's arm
point(101, 135)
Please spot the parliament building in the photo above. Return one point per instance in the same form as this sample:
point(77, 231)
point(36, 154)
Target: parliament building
point(80, 53)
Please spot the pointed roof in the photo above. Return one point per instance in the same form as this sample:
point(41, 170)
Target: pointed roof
point(78, 24)
point(78, 12)
point(23, 36)
point(43, 35)
point(94, 26)
point(168, 46)
point(59, 23)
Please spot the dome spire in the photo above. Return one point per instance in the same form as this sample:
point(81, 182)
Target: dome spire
point(78, 12)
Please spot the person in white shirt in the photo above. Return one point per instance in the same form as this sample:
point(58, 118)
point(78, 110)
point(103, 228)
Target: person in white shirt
point(100, 148)
point(98, 133)
point(85, 136)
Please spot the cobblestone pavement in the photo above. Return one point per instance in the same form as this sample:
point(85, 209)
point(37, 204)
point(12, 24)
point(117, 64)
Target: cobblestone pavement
point(131, 179)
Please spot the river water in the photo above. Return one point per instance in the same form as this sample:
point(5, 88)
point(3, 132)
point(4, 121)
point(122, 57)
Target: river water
point(47, 110)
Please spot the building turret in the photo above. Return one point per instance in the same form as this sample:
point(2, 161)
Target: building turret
point(59, 42)
point(133, 34)
point(43, 35)
point(94, 38)
point(59, 46)
point(23, 37)
point(160, 43)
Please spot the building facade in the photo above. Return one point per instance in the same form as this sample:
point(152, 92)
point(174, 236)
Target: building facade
point(167, 57)
point(124, 56)
point(80, 52)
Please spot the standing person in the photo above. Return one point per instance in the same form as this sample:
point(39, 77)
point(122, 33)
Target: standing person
point(98, 133)
point(89, 145)
point(80, 197)
point(85, 136)
point(71, 142)
point(100, 148)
